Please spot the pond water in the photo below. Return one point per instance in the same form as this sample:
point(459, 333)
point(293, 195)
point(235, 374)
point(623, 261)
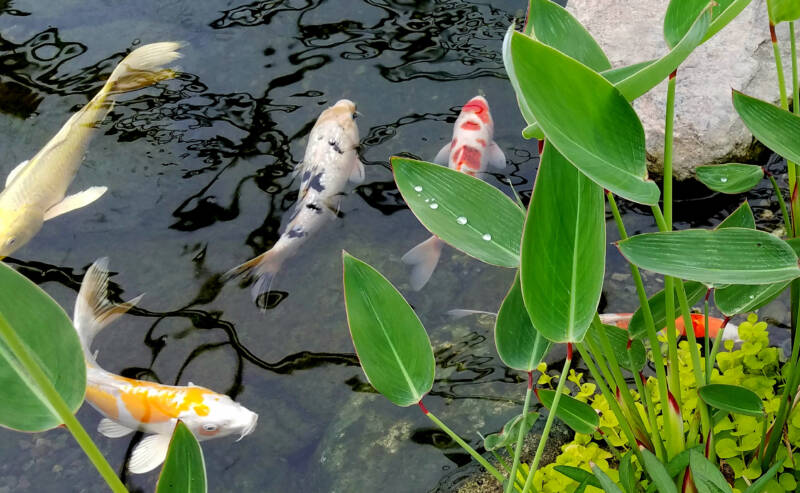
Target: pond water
point(199, 176)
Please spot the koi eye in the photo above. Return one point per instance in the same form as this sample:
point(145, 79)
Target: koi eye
point(355, 115)
point(209, 427)
point(11, 241)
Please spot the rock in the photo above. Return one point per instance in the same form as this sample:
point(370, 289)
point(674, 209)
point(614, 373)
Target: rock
point(707, 128)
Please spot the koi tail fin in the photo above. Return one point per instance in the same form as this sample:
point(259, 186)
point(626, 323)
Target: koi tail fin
point(423, 259)
point(261, 270)
point(93, 310)
point(143, 67)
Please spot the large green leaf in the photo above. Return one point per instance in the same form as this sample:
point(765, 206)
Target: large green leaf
point(631, 358)
point(742, 217)
point(658, 473)
point(184, 470)
point(783, 10)
point(48, 333)
point(731, 177)
point(679, 18)
point(464, 211)
point(723, 256)
point(775, 127)
point(578, 474)
point(519, 344)
point(732, 398)
point(648, 77)
point(584, 117)
point(508, 434)
point(513, 78)
point(706, 476)
point(390, 341)
point(554, 26)
point(576, 414)
point(724, 13)
point(638, 329)
point(563, 250)
point(605, 481)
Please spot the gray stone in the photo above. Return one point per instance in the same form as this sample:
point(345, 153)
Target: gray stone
point(707, 128)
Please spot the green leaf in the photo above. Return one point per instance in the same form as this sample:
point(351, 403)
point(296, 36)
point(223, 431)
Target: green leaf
point(49, 335)
point(680, 16)
point(680, 462)
point(563, 250)
point(508, 435)
point(775, 127)
point(461, 216)
point(706, 476)
point(723, 256)
point(583, 116)
point(637, 327)
point(724, 13)
point(577, 415)
point(554, 26)
point(658, 472)
point(761, 483)
point(513, 78)
point(626, 477)
point(647, 78)
point(519, 344)
point(742, 217)
point(532, 131)
point(390, 341)
point(579, 475)
point(783, 10)
point(731, 177)
point(606, 483)
point(184, 469)
point(632, 359)
point(732, 398)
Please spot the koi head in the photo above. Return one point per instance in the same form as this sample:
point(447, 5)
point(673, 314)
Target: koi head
point(479, 107)
point(17, 227)
point(220, 416)
point(340, 123)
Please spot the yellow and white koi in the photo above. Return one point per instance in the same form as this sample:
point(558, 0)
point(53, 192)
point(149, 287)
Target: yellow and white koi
point(129, 405)
point(35, 189)
point(330, 162)
point(472, 150)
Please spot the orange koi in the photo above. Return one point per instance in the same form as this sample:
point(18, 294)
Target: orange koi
point(730, 331)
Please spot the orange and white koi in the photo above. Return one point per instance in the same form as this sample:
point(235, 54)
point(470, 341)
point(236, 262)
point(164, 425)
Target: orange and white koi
point(730, 331)
point(129, 405)
point(35, 189)
point(472, 150)
point(330, 162)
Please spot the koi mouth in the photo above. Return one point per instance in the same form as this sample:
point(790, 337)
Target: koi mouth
point(249, 428)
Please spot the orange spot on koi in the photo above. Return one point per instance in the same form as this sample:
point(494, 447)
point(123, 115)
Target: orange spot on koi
point(103, 400)
point(470, 126)
point(154, 403)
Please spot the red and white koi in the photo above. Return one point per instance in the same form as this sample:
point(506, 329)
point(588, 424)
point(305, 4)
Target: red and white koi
point(472, 150)
point(129, 405)
point(730, 331)
point(330, 162)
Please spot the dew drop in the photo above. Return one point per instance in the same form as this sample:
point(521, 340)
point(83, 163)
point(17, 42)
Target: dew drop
point(486, 236)
point(752, 296)
point(434, 205)
point(418, 188)
point(427, 200)
point(461, 220)
point(723, 179)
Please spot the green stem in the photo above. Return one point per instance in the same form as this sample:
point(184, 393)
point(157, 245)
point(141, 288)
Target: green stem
point(776, 50)
point(787, 222)
point(464, 445)
point(58, 406)
point(658, 444)
point(711, 361)
point(795, 86)
point(706, 344)
point(705, 419)
point(672, 340)
point(549, 423)
point(669, 124)
point(521, 434)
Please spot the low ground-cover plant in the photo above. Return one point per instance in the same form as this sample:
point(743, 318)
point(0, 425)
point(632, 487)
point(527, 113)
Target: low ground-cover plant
point(681, 425)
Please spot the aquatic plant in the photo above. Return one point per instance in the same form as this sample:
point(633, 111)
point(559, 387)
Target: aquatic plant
point(592, 148)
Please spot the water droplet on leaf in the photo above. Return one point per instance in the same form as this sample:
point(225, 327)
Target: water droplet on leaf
point(461, 220)
point(486, 236)
point(723, 179)
point(418, 188)
point(434, 205)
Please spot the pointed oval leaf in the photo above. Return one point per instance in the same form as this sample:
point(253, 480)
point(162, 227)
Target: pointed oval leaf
point(577, 415)
point(631, 358)
point(679, 17)
point(462, 216)
point(584, 117)
point(553, 25)
point(48, 333)
point(508, 435)
point(513, 78)
point(731, 177)
point(519, 344)
point(606, 482)
point(658, 473)
point(732, 398)
point(563, 250)
point(783, 10)
point(637, 328)
point(578, 474)
point(723, 14)
point(184, 470)
point(706, 476)
point(626, 476)
point(723, 256)
point(389, 339)
point(742, 217)
point(737, 298)
point(775, 127)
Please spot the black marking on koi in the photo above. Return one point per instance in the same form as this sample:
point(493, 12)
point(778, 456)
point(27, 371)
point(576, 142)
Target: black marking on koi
point(306, 175)
point(316, 183)
point(315, 208)
point(296, 233)
point(336, 146)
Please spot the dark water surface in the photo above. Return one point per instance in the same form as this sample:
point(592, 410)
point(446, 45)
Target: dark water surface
point(199, 177)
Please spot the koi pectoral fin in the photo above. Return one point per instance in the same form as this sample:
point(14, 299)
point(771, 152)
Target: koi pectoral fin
point(14, 172)
point(112, 429)
point(496, 156)
point(149, 454)
point(75, 201)
point(358, 174)
point(334, 205)
point(423, 259)
point(443, 156)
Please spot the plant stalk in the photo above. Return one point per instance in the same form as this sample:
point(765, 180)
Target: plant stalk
point(787, 220)
point(58, 406)
point(521, 435)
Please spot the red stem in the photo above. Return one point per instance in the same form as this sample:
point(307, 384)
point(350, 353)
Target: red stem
point(530, 380)
point(569, 351)
point(422, 406)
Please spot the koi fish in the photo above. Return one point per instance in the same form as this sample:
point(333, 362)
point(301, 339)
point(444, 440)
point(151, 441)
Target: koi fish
point(472, 150)
point(129, 405)
point(730, 332)
point(330, 162)
point(35, 189)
